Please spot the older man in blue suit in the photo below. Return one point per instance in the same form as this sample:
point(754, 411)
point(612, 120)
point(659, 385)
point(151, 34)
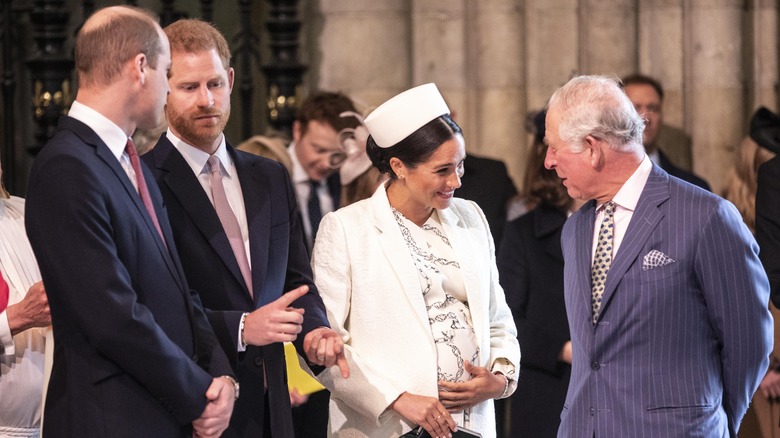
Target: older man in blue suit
point(665, 294)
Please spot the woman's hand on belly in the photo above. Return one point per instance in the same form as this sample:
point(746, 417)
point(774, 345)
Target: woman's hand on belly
point(484, 385)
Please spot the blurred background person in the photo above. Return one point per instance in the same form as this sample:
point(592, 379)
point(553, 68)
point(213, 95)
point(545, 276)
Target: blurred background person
point(268, 146)
point(647, 95)
point(530, 266)
point(359, 179)
point(760, 146)
point(315, 140)
point(415, 267)
point(22, 325)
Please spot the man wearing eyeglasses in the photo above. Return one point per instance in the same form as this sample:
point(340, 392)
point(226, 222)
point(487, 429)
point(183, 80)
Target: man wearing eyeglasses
point(647, 95)
point(316, 156)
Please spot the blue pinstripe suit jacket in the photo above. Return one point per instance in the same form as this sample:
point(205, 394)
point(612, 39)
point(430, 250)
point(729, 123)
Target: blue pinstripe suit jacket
point(678, 350)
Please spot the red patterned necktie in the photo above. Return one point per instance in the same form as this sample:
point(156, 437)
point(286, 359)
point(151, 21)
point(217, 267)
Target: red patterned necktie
point(3, 293)
point(229, 221)
point(143, 190)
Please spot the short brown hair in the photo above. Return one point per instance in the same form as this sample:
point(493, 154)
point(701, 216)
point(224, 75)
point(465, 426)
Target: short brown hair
point(640, 79)
point(112, 37)
point(326, 107)
point(192, 35)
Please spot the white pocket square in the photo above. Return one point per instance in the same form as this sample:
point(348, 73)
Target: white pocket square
point(656, 259)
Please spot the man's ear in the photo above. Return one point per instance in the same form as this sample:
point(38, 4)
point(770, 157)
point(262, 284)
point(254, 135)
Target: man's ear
point(296, 131)
point(594, 149)
point(140, 67)
point(231, 77)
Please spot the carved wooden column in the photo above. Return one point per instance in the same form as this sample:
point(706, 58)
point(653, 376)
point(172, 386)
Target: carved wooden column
point(50, 68)
point(284, 73)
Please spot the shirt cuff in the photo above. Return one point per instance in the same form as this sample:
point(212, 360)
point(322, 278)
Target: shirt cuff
point(241, 344)
point(503, 366)
point(6, 339)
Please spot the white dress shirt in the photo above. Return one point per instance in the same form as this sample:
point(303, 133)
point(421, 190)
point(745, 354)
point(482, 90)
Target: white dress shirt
point(625, 199)
point(198, 161)
point(111, 134)
point(21, 356)
point(300, 180)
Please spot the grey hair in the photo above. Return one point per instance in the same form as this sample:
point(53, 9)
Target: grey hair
point(597, 106)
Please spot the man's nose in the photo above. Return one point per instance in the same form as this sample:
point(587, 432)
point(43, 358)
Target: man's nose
point(205, 98)
point(549, 159)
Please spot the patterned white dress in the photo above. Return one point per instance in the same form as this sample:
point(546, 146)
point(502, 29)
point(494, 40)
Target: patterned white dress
point(443, 290)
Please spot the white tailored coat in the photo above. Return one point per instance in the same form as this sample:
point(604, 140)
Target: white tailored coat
point(372, 293)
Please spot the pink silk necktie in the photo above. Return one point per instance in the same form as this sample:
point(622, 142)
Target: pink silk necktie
point(3, 293)
point(229, 221)
point(143, 190)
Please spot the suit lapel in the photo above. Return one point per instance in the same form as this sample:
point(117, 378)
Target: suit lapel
point(644, 220)
point(463, 244)
point(184, 185)
point(397, 254)
point(255, 190)
point(104, 153)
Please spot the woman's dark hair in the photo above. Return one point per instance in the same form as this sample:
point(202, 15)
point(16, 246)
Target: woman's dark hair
point(416, 148)
point(541, 186)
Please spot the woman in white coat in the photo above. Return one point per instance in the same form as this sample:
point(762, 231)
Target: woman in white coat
point(409, 279)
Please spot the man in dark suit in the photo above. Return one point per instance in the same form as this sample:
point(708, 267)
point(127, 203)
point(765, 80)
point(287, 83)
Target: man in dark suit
point(316, 155)
point(134, 354)
point(238, 235)
point(647, 95)
point(665, 295)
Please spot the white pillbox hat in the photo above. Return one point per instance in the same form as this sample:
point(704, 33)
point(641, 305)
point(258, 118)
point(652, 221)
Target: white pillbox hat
point(405, 113)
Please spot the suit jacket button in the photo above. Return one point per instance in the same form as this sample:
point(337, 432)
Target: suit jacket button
point(592, 412)
point(595, 366)
point(258, 361)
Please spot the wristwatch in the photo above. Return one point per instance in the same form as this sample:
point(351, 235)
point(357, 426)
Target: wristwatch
point(233, 380)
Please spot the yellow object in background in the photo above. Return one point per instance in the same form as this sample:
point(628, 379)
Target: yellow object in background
point(297, 378)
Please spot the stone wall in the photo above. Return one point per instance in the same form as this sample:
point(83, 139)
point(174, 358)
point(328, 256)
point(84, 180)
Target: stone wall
point(495, 60)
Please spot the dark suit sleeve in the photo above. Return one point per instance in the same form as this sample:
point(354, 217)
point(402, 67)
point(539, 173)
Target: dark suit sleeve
point(517, 264)
point(73, 221)
point(768, 223)
point(736, 292)
point(299, 272)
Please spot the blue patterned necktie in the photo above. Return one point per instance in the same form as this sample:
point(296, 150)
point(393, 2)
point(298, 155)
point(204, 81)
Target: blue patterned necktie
point(602, 259)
